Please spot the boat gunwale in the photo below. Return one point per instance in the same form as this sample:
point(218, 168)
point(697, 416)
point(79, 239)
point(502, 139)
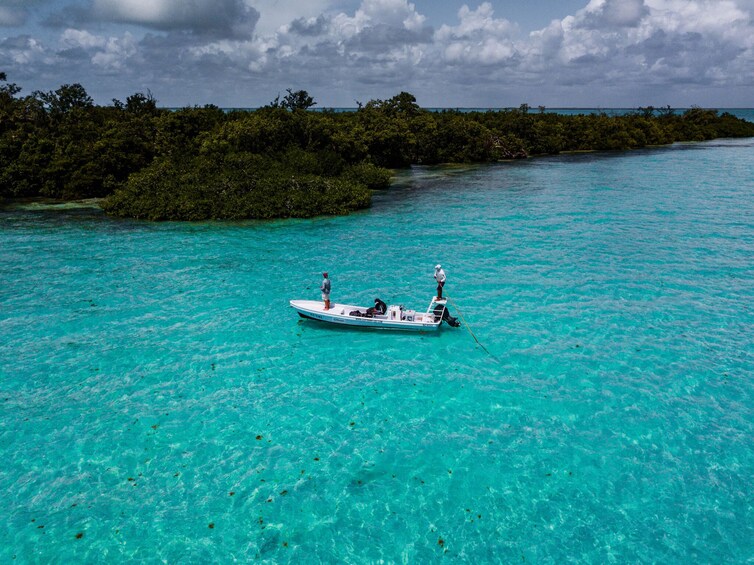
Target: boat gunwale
point(337, 315)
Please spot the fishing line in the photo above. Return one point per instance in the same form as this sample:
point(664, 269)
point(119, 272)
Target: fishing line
point(466, 325)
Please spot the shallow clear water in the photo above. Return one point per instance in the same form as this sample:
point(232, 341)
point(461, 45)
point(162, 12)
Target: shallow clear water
point(160, 401)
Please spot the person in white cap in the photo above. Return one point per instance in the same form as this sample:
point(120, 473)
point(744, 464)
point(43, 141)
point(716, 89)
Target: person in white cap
point(440, 278)
point(325, 288)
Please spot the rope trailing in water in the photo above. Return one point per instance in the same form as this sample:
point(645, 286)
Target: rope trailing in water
point(466, 325)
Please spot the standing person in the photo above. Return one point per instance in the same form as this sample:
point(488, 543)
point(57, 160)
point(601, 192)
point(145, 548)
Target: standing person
point(440, 278)
point(325, 288)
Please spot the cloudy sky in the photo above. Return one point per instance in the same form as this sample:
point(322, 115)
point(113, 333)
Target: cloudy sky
point(496, 53)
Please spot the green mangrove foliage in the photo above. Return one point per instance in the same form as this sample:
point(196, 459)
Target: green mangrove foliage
point(240, 185)
point(283, 160)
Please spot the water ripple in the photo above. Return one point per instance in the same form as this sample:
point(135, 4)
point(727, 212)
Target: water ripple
point(161, 401)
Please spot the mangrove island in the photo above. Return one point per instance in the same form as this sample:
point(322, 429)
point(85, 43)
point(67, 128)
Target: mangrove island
point(284, 160)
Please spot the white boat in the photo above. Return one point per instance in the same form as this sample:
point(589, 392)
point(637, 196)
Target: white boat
point(393, 318)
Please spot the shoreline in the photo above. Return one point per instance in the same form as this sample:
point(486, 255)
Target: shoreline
point(47, 204)
point(44, 203)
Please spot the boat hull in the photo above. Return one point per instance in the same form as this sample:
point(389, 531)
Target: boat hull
point(339, 314)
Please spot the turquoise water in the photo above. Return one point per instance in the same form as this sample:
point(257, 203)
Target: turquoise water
point(160, 401)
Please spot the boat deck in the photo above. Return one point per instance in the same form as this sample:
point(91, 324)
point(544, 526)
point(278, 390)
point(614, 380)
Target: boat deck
point(395, 318)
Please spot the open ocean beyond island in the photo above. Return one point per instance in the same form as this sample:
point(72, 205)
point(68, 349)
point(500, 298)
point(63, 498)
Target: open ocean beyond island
point(160, 401)
point(742, 113)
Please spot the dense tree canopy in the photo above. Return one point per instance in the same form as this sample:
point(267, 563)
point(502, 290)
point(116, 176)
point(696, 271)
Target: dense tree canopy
point(283, 160)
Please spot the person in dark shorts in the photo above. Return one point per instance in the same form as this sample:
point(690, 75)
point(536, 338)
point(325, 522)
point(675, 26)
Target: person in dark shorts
point(325, 288)
point(440, 278)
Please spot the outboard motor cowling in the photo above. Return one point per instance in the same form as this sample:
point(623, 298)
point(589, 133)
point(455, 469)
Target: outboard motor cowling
point(441, 312)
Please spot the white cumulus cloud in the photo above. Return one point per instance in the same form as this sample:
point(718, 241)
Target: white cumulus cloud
point(73, 38)
point(371, 13)
point(621, 52)
point(116, 51)
point(479, 38)
point(613, 13)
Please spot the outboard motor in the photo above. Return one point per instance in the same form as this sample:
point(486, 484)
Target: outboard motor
point(441, 312)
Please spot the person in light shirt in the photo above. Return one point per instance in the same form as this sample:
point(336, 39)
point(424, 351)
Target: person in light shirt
point(325, 288)
point(440, 278)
